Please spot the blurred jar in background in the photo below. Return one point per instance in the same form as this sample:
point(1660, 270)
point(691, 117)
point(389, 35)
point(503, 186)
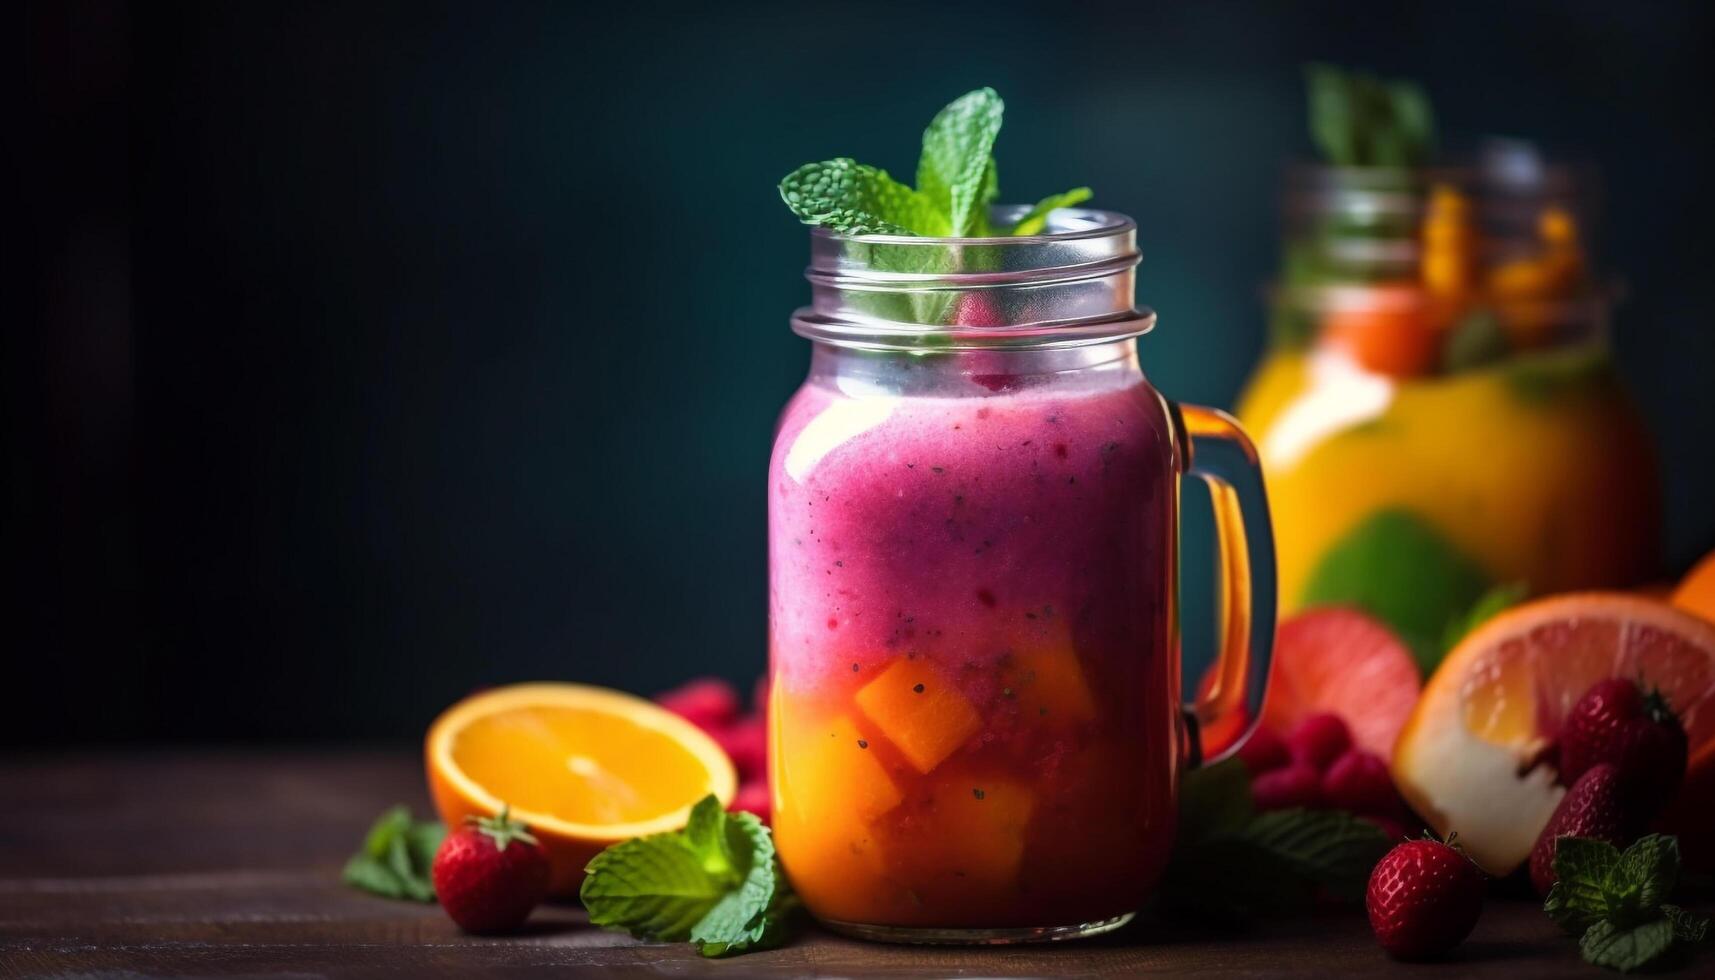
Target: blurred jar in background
point(1437, 411)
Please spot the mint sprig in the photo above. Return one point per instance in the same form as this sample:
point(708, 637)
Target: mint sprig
point(957, 181)
point(1358, 120)
point(716, 883)
point(956, 167)
point(396, 856)
point(1232, 862)
point(1616, 901)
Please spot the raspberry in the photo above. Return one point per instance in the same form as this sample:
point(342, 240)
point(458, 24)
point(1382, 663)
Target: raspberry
point(1318, 740)
point(754, 797)
point(1358, 781)
point(746, 744)
point(1295, 785)
point(707, 702)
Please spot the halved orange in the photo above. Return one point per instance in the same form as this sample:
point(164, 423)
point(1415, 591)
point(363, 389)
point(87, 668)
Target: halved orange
point(1696, 591)
point(585, 767)
point(1464, 759)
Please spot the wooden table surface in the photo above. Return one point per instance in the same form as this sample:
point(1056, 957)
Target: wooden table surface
point(207, 863)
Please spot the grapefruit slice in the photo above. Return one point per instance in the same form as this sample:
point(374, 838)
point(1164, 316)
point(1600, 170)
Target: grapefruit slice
point(1346, 662)
point(585, 767)
point(1464, 760)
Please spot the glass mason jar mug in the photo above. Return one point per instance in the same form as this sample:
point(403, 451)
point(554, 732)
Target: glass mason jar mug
point(975, 726)
point(1438, 391)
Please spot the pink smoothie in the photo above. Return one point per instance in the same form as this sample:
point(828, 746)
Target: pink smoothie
point(1012, 554)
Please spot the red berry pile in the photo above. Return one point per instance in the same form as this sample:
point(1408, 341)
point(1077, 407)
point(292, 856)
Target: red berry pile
point(1318, 766)
point(714, 706)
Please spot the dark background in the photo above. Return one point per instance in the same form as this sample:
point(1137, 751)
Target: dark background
point(369, 353)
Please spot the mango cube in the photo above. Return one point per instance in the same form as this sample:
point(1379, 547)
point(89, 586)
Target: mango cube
point(978, 824)
point(919, 712)
point(1044, 676)
point(830, 765)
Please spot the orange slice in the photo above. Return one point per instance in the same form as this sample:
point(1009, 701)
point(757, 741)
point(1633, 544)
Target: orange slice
point(585, 767)
point(1696, 592)
point(1463, 760)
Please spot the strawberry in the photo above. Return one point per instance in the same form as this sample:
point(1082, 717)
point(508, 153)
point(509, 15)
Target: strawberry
point(1424, 898)
point(1289, 786)
point(707, 702)
point(1263, 751)
point(1318, 740)
point(490, 873)
point(1594, 807)
point(1617, 722)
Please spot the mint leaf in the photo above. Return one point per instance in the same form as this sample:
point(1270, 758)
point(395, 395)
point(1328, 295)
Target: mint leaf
point(1583, 870)
point(1037, 218)
point(371, 875)
point(716, 883)
point(1215, 800)
point(1626, 950)
point(1649, 868)
point(1489, 605)
point(851, 198)
point(955, 169)
point(417, 883)
point(1403, 571)
point(424, 840)
point(1268, 862)
point(396, 857)
point(1688, 926)
point(1331, 848)
point(395, 820)
point(1357, 120)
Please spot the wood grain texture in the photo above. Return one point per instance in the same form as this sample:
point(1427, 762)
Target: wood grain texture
point(226, 864)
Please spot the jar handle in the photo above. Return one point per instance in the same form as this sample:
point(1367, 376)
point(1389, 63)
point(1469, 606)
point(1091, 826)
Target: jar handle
point(1214, 449)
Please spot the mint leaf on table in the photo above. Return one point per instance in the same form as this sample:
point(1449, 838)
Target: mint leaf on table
point(1626, 949)
point(1579, 896)
point(1616, 901)
point(1649, 869)
point(1330, 848)
point(396, 856)
point(1231, 862)
point(716, 884)
point(1215, 800)
point(956, 165)
point(1688, 926)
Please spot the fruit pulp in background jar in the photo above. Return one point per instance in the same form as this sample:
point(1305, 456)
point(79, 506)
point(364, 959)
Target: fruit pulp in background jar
point(974, 701)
